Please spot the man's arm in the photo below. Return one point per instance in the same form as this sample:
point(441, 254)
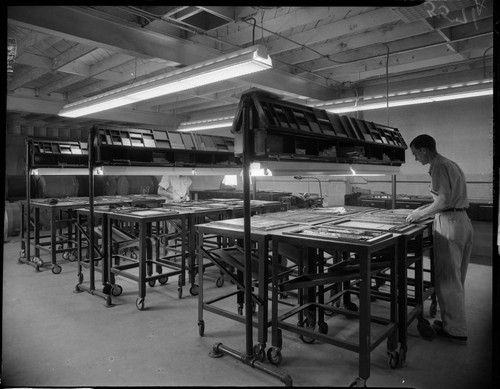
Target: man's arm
point(438, 204)
point(163, 186)
point(162, 191)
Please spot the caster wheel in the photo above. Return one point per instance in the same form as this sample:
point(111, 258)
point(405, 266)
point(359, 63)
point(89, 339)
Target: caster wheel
point(351, 307)
point(393, 359)
point(56, 269)
point(219, 282)
point(65, 255)
point(306, 339)
point(73, 256)
point(425, 330)
point(329, 313)
point(80, 278)
point(259, 353)
point(22, 254)
point(38, 261)
point(274, 355)
point(107, 289)
point(179, 292)
point(133, 255)
point(163, 280)
point(323, 328)
point(201, 327)
point(193, 290)
point(152, 283)
point(433, 309)
point(116, 290)
point(139, 303)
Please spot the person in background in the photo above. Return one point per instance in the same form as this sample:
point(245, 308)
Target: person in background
point(174, 188)
point(452, 235)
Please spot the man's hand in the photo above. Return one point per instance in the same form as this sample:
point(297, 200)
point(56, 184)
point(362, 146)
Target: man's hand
point(414, 216)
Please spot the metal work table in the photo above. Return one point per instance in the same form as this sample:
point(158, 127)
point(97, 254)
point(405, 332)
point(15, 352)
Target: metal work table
point(372, 329)
point(197, 214)
point(400, 214)
point(57, 236)
point(149, 246)
point(233, 256)
point(409, 235)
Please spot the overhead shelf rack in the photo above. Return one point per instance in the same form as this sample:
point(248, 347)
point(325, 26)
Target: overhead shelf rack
point(285, 131)
point(131, 146)
point(52, 153)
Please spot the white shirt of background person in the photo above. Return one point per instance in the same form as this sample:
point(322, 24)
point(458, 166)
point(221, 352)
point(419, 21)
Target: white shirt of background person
point(175, 188)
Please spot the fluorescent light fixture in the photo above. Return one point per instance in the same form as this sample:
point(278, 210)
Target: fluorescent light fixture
point(53, 171)
point(116, 170)
point(293, 168)
point(249, 60)
point(206, 124)
point(418, 96)
point(356, 174)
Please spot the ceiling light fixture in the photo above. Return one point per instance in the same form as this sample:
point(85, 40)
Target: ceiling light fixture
point(59, 171)
point(206, 124)
point(249, 60)
point(428, 95)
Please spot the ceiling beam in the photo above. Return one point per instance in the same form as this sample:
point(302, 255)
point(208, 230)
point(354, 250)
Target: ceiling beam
point(338, 48)
point(241, 33)
point(349, 26)
point(73, 24)
point(402, 51)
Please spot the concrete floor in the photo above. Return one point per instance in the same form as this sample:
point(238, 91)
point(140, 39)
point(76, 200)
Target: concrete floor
point(52, 337)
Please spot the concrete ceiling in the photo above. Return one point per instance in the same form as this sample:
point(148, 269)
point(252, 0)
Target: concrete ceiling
point(67, 53)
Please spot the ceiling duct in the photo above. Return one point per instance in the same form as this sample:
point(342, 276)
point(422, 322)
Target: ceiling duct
point(204, 18)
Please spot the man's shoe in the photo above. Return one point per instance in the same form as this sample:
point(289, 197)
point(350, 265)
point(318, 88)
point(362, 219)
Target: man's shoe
point(451, 338)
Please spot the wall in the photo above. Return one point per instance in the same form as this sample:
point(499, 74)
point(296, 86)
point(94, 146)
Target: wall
point(463, 130)
point(14, 155)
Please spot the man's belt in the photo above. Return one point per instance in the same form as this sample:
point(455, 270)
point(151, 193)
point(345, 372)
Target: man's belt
point(454, 210)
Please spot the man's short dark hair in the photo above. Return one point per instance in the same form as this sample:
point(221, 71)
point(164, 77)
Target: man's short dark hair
point(424, 141)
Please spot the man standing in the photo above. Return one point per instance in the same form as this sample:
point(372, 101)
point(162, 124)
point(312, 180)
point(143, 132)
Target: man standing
point(452, 234)
point(174, 188)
